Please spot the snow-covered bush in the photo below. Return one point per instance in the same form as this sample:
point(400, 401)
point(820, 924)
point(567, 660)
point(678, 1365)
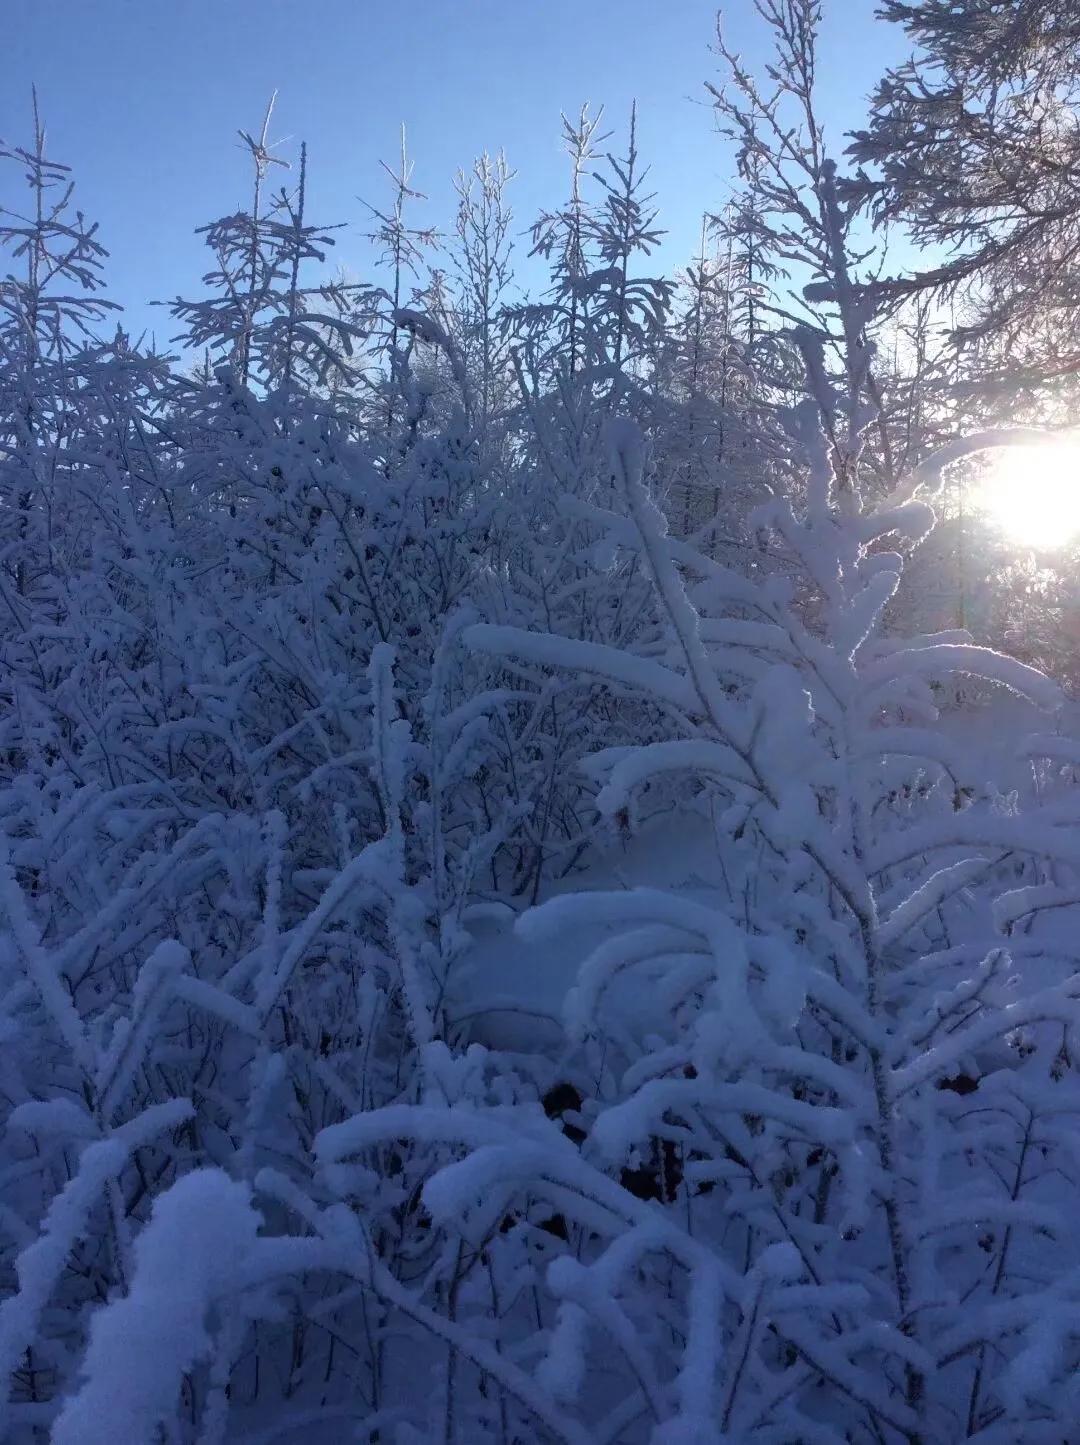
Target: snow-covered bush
point(855, 1182)
point(365, 634)
point(854, 1096)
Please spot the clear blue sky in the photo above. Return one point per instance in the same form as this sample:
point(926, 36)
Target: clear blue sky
point(143, 98)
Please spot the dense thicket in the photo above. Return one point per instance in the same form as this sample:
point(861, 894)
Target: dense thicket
point(368, 628)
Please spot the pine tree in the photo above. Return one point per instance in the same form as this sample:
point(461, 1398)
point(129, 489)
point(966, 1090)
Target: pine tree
point(971, 147)
point(268, 327)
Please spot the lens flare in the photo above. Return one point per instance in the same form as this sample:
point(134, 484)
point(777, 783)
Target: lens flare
point(1031, 493)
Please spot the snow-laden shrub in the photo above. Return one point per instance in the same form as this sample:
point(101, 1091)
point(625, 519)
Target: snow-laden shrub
point(864, 1227)
point(366, 632)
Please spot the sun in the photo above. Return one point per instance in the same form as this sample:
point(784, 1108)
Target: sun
point(1032, 493)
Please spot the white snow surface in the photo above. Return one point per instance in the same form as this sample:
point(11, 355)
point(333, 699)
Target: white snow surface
point(517, 986)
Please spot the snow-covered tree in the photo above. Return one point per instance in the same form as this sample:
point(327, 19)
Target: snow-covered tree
point(259, 317)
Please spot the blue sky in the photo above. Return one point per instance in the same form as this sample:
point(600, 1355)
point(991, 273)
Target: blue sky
point(143, 98)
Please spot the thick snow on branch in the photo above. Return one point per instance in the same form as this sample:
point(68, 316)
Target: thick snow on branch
point(576, 658)
point(41, 1264)
point(195, 1246)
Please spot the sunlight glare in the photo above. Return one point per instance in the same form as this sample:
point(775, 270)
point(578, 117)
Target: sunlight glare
point(1032, 493)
